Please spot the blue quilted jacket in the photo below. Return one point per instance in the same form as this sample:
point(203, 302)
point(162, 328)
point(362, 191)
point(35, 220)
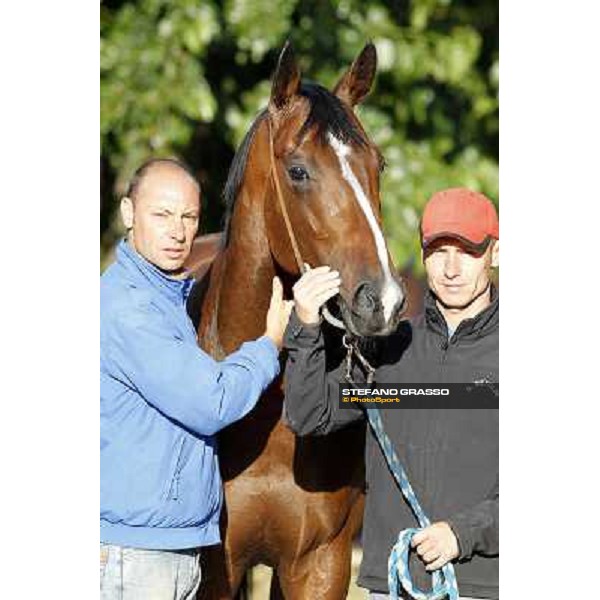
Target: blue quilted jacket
point(162, 400)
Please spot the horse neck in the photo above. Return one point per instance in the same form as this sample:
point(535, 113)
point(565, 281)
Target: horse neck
point(240, 290)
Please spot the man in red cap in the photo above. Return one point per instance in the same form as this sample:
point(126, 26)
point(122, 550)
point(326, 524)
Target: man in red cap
point(450, 454)
point(459, 238)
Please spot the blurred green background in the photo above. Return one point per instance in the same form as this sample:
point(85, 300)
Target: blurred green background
point(186, 78)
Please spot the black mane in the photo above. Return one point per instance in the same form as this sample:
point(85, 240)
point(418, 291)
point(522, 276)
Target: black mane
point(327, 113)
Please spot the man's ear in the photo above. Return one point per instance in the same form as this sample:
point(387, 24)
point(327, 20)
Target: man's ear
point(496, 254)
point(127, 212)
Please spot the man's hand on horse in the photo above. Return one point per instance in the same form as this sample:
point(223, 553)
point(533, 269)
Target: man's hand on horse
point(279, 314)
point(312, 290)
point(436, 545)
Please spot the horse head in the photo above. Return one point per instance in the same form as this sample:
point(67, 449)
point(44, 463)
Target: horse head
point(328, 171)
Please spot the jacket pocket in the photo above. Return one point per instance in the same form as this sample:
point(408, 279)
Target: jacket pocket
point(184, 449)
point(173, 485)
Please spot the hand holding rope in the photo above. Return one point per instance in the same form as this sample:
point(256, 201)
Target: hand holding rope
point(444, 582)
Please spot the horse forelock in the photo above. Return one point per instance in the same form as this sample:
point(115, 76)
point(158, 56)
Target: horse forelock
point(327, 114)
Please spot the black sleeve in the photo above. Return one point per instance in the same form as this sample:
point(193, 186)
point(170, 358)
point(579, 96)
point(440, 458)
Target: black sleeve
point(477, 528)
point(311, 403)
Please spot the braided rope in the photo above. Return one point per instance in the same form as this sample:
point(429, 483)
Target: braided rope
point(444, 579)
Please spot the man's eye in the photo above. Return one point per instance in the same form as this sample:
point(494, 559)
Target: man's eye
point(298, 173)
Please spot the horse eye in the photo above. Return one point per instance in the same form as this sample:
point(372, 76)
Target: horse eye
point(298, 173)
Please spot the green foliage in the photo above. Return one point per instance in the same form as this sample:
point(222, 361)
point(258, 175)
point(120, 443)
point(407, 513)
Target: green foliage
point(186, 78)
point(153, 85)
point(257, 26)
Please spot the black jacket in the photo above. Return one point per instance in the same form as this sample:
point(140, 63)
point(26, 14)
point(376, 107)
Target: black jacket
point(450, 455)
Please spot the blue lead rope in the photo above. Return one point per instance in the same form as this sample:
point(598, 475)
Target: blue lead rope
point(444, 579)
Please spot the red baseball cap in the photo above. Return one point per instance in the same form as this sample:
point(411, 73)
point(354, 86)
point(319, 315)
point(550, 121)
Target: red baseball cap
point(459, 213)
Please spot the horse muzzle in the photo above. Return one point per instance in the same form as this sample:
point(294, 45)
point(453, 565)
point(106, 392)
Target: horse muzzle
point(374, 310)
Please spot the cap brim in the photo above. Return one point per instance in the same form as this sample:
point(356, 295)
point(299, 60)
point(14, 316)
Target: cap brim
point(479, 248)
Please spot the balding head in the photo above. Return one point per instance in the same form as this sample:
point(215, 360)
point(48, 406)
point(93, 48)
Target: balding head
point(159, 167)
point(161, 212)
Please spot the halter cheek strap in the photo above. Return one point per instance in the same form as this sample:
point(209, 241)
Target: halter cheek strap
point(288, 225)
point(284, 211)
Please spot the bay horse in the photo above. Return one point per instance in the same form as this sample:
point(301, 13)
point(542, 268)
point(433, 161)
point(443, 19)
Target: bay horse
point(295, 504)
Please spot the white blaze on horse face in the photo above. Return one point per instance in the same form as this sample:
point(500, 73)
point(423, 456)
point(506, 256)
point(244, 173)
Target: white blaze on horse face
point(391, 293)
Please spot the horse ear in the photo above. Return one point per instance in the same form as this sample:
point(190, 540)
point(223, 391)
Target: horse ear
point(286, 81)
point(356, 82)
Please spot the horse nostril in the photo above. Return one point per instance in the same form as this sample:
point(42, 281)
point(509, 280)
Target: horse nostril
point(366, 298)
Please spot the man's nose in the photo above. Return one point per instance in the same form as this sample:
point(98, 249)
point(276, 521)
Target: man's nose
point(452, 267)
point(178, 230)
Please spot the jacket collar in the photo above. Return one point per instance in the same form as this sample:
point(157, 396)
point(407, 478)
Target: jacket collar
point(176, 290)
point(485, 321)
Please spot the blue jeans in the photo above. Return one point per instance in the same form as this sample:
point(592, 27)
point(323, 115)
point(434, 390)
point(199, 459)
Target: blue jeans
point(139, 574)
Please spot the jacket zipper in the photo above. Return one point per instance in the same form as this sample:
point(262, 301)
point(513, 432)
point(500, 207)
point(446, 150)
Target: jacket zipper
point(444, 350)
point(444, 347)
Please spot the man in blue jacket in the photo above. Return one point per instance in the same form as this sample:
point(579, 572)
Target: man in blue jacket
point(162, 399)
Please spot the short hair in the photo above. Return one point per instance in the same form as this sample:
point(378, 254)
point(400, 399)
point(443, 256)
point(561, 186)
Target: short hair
point(146, 167)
